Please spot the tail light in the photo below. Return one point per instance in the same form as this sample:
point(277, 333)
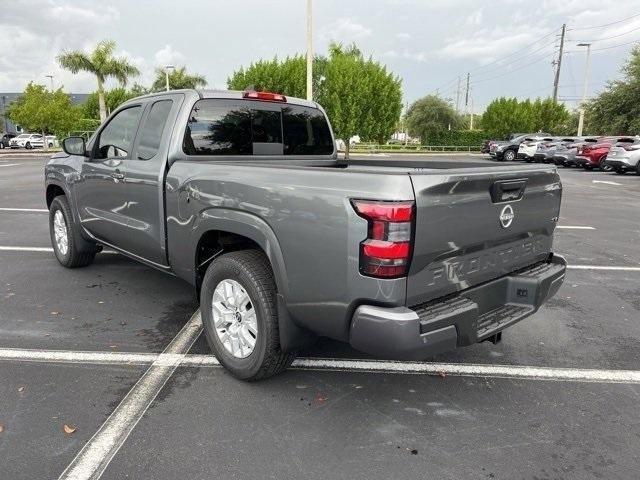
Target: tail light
point(267, 96)
point(386, 252)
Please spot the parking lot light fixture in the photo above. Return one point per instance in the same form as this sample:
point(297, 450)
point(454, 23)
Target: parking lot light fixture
point(584, 87)
point(166, 74)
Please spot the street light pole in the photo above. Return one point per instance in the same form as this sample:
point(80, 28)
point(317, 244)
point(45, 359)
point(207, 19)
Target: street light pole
point(50, 77)
point(309, 50)
point(166, 75)
point(584, 87)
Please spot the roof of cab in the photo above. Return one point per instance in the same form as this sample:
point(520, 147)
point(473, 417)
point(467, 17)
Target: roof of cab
point(229, 94)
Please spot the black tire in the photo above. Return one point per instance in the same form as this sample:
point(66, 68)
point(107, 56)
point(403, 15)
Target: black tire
point(602, 165)
point(638, 168)
point(620, 171)
point(509, 155)
point(251, 269)
point(28, 146)
point(80, 252)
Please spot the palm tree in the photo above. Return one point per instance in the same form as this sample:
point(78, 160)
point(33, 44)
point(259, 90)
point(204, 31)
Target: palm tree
point(178, 78)
point(102, 64)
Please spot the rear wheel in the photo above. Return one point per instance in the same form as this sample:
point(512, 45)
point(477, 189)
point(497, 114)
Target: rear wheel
point(509, 156)
point(638, 168)
point(28, 146)
point(620, 171)
point(602, 164)
point(70, 248)
point(240, 316)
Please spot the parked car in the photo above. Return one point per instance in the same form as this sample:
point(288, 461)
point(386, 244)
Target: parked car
point(508, 149)
point(624, 157)
point(565, 154)
point(546, 150)
point(5, 139)
point(529, 146)
point(242, 195)
point(27, 140)
point(592, 155)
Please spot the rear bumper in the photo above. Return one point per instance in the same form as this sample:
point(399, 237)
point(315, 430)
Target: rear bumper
point(466, 318)
point(622, 164)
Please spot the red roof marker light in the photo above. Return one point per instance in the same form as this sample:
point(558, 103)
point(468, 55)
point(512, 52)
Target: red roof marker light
point(267, 96)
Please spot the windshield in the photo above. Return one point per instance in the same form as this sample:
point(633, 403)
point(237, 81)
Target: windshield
point(24, 135)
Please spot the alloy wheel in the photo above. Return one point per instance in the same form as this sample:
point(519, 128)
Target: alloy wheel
point(234, 318)
point(60, 232)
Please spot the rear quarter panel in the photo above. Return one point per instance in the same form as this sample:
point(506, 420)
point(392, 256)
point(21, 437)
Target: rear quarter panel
point(302, 218)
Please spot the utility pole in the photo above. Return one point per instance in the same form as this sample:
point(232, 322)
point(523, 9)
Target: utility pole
point(166, 75)
point(458, 95)
point(584, 87)
point(471, 120)
point(556, 80)
point(466, 96)
point(309, 50)
point(4, 112)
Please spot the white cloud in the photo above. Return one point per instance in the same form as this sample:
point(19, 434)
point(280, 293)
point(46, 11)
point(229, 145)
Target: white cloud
point(343, 30)
point(168, 56)
point(475, 18)
point(403, 36)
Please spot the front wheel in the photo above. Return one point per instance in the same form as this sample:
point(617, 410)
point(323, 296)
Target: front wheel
point(240, 316)
point(28, 146)
point(509, 156)
point(70, 249)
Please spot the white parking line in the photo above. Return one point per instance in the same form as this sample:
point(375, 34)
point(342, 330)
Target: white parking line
point(4, 248)
point(332, 364)
point(602, 267)
point(38, 210)
point(8, 248)
point(607, 182)
point(9, 164)
point(574, 227)
point(105, 443)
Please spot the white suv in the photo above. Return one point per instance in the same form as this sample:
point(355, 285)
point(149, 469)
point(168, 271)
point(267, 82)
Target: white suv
point(624, 158)
point(27, 140)
point(528, 147)
point(32, 140)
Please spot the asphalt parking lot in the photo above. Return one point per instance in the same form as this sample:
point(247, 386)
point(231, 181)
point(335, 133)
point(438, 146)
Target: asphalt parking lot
point(556, 399)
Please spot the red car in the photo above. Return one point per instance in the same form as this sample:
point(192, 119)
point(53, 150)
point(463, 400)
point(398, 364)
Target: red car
point(592, 155)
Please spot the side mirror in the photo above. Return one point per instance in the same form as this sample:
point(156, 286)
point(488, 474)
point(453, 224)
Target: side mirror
point(74, 146)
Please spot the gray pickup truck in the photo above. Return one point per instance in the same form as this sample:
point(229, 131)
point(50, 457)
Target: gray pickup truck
point(242, 195)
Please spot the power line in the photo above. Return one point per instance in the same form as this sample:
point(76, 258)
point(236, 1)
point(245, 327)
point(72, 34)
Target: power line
point(637, 40)
point(546, 57)
point(608, 38)
point(607, 24)
point(481, 67)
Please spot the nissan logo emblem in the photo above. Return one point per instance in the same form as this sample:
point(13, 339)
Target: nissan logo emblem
point(506, 216)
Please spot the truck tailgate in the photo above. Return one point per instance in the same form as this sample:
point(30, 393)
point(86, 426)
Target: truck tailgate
point(474, 226)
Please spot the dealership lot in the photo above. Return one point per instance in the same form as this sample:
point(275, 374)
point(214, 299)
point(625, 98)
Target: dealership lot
point(319, 420)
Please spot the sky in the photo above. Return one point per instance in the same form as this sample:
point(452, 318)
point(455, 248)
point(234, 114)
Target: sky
point(507, 46)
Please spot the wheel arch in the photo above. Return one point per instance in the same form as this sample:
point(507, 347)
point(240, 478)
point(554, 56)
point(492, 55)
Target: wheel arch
point(221, 231)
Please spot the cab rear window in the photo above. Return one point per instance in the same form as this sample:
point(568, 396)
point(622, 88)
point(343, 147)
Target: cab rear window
point(242, 127)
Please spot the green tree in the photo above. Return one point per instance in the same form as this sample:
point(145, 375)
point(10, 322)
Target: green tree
point(112, 98)
point(508, 115)
point(178, 78)
point(360, 96)
point(616, 111)
point(431, 115)
point(43, 111)
point(102, 64)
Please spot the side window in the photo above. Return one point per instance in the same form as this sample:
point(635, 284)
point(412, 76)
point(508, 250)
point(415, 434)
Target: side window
point(306, 131)
point(116, 138)
point(153, 128)
point(218, 127)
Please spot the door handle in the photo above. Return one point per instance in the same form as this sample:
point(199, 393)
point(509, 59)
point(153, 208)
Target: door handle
point(117, 175)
